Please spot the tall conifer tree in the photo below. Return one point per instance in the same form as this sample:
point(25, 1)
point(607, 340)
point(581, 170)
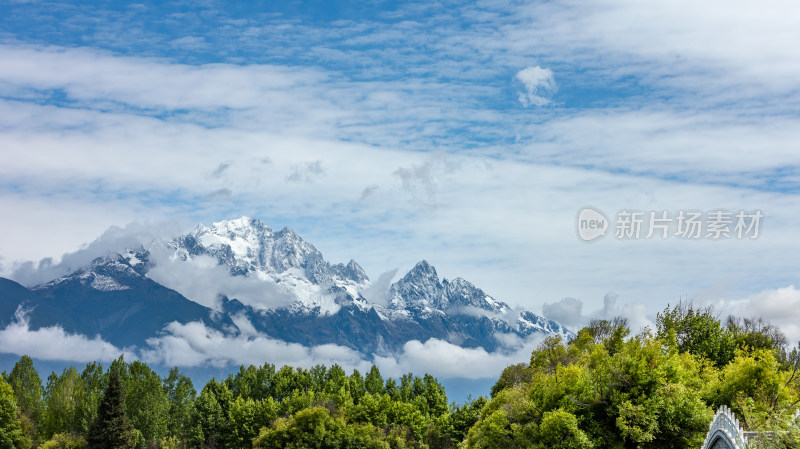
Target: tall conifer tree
point(112, 429)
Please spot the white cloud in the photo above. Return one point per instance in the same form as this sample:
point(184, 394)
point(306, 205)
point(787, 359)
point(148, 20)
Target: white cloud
point(306, 172)
point(378, 291)
point(446, 360)
point(193, 344)
point(567, 311)
point(114, 240)
point(778, 306)
point(203, 280)
point(53, 343)
point(538, 83)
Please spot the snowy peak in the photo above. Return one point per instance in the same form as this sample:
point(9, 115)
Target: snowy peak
point(355, 272)
point(292, 267)
point(111, 273)
point(419, 288)
point(291, 251)
point(460, 293)
point(249, 246)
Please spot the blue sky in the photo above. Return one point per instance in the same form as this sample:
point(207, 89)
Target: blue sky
point(467, 134)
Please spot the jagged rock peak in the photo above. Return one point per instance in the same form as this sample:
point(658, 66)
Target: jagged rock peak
point(419, 288)
point(249, 245)
point(422, 271)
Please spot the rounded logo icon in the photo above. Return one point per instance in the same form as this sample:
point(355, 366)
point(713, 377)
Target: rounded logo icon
point(591, 224)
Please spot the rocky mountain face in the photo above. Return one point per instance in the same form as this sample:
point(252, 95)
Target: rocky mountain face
point(116, 298)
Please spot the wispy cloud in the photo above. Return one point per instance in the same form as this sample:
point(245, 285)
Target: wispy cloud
point(202, 280)
point(114, 240)
point(53, 343)
point(306, 172)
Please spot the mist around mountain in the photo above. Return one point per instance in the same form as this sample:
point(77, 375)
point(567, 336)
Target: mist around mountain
point(238, 292)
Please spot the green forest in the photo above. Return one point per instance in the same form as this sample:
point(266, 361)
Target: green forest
point(605, 388)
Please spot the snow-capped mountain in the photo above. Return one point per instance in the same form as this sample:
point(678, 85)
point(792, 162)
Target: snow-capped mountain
point(111, 297)
point(118, 298)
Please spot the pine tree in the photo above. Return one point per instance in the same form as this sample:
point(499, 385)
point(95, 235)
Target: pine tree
point(111, 429)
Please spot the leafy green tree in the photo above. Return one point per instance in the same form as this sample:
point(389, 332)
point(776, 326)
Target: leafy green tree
point(511, 376)
point(435, 396)
point(757, 390)
point(246, 417)
point(755, 333)
point(11, 435)
point(63, 395)
point(335, 380)
point(550, 354)
point(146, 402)
point(639, 396)
point(318, 375)
point(392, 389)
point(284, 383)
point(407, 415)
point(373, 382)
point(559, 430)
point(210, 417)
point(696, 331)
point(112, 429)
point(94, 380)
point(315, 427)
point(181, 396)
point(356, 386)
point(65, 441)
point(27, 386)
point(464, 416)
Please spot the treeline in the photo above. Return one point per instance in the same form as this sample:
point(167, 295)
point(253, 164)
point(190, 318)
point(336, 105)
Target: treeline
point(605, 388)
point(264, 407)
point(658, 389)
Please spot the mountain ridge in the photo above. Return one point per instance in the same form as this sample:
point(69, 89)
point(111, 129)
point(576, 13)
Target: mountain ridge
point(117, 298)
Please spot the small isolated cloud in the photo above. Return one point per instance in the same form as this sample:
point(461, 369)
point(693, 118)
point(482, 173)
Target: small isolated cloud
point(113, 240)
point(568, 311)
point(53, 343)
point(202, 280)
point(368, 191)
point(306, 172)
point(538, 83)
point(221, 193)
point(220, 170)
point(422, 180)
